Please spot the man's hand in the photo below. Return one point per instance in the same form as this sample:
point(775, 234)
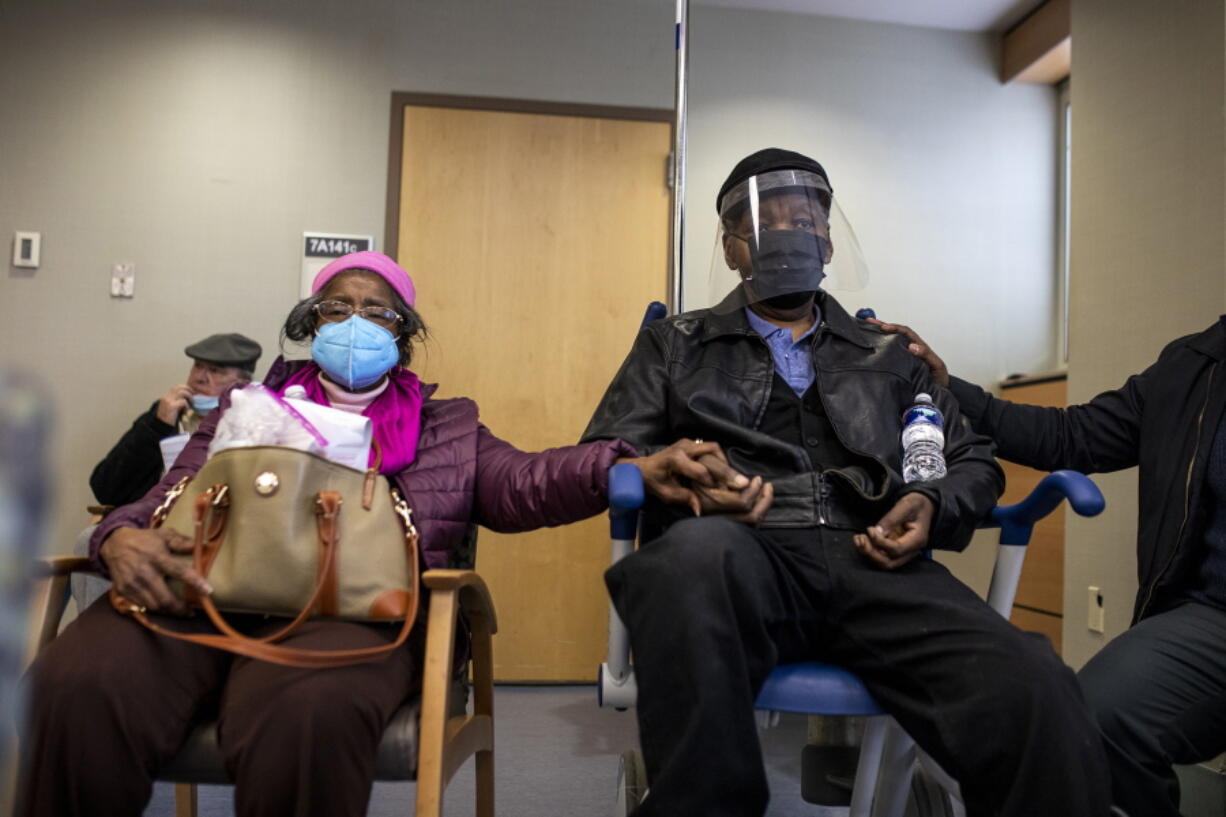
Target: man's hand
point(900, 535)
point(749, 504)
point(917, 347)
point(675, 472)
point(173, 402)
point(140, 561)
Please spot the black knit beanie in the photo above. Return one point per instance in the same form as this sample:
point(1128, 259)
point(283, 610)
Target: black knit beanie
point(765, 161)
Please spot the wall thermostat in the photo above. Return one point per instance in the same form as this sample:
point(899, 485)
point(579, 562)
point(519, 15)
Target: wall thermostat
point(25, 249)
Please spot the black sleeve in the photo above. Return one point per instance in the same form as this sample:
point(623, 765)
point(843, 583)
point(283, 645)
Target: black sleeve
point(635, 406)
point(974, 480)
point(1101, 435)
point(134, 465)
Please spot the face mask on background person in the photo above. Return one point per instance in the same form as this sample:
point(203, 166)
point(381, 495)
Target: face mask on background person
point(355, 352)
point(204, 403)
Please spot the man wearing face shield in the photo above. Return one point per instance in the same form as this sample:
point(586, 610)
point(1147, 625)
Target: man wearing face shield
point(803, 546)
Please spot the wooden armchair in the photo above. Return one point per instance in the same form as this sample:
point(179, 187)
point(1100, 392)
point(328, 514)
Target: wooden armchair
point(428, 738)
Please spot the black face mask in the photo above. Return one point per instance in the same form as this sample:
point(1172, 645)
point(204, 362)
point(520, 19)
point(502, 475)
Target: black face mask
point(790, 301)
point(788, 266)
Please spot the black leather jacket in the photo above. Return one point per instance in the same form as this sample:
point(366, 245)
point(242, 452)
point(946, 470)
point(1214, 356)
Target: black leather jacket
point(1162, 420)
point(706, 374)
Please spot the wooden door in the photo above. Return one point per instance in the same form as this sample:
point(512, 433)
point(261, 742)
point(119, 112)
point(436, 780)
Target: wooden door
point(536, 241)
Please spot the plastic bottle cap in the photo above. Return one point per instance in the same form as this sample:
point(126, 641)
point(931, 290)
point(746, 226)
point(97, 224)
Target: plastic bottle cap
point(923, 397)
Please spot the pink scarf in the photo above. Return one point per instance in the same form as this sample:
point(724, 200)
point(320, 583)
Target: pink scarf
point(395, 414)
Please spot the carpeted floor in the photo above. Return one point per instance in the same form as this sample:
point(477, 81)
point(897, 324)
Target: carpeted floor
point(556, 756)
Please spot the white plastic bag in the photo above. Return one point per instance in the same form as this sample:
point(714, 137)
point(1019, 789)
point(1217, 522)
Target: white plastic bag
point(257, 416)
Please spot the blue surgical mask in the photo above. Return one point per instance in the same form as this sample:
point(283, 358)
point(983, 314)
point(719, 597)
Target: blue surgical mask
point(355, 352)
point(203, 403)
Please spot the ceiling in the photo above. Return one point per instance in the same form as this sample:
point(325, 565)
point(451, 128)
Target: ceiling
point(962, 15)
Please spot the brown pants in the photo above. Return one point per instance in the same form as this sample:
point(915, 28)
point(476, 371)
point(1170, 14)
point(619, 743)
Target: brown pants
point(110, 702)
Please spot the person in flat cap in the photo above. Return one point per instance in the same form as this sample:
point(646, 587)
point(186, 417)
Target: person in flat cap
point(134, 464)
point(806, 546)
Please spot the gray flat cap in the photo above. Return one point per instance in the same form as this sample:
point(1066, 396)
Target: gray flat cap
point(230, 349)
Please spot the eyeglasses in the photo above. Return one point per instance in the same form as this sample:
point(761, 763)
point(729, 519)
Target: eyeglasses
point(336, 311)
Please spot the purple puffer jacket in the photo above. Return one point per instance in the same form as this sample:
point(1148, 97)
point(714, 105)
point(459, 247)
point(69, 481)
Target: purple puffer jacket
point(462, 474)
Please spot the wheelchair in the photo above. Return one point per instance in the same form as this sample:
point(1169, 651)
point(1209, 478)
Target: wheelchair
point(893, 777)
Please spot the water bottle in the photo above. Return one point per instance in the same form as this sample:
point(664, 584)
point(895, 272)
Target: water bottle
point(923, 441)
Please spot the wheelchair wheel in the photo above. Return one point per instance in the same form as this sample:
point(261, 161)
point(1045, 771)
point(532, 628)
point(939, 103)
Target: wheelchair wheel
point(631, 782)
point(927, 798)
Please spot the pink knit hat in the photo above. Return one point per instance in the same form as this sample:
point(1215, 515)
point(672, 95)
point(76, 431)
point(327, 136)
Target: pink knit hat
point(376, 262)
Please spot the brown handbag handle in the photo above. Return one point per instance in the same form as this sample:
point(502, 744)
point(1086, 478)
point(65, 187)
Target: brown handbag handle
point(327, 509)
point(327, 514)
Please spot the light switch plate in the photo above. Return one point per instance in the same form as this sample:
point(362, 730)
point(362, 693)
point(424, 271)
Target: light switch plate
point(123, 280)
point(1097, 615)
point(26, 248)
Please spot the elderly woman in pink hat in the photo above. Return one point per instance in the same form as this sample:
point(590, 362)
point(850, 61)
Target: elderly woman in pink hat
point(111, 701)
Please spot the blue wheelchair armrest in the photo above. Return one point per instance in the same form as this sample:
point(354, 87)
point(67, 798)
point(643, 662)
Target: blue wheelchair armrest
point(1017, 521)
point(625, 499)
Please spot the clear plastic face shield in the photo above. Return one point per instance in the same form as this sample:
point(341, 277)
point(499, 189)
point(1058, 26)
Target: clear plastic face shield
point(782, 237)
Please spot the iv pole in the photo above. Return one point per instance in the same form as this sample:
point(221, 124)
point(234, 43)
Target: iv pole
point(682, 37)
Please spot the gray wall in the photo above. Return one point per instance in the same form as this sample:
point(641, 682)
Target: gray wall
point(1148, 248)
point(199, 140)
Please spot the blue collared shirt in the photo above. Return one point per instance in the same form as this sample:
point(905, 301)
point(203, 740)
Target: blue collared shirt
point(793, 358)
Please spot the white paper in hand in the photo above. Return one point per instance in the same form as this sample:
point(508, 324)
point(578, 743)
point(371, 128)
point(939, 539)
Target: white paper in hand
point(171, 447)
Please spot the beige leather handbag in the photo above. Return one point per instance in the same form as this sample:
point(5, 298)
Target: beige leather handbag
point(284, 532)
